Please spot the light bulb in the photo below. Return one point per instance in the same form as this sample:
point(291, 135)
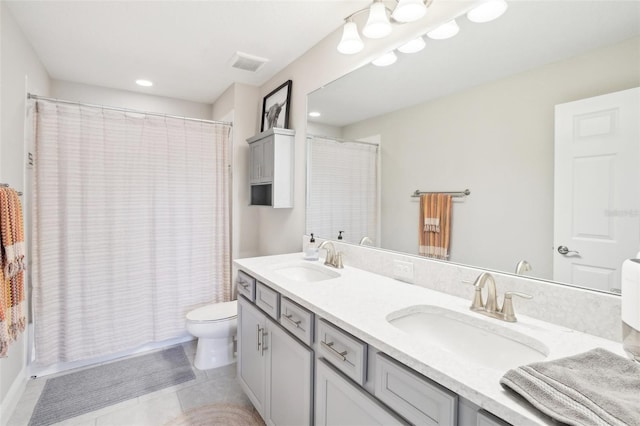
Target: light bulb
point(144, 83)
point(487, 11)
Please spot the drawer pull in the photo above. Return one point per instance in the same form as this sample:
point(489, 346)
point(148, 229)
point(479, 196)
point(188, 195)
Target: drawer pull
point(329, 346)
point(243, 284)
point(292, 321)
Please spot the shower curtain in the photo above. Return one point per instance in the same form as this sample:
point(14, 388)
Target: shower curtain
point(131, 228)
point(342, 189)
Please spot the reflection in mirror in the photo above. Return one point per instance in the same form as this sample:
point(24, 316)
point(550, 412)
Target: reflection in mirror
point(478, 111)
point(343, 191)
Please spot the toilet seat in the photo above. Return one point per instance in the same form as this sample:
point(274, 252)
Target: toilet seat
point(214, 312)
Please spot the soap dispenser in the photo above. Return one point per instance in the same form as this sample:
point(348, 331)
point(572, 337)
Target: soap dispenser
point(312, 252)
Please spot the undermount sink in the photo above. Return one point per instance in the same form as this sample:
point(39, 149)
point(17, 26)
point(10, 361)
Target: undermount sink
point(305, 272)
point(470, 338)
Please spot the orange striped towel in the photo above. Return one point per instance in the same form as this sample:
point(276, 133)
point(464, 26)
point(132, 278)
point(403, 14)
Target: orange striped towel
point(435, 225)
point(12, 266)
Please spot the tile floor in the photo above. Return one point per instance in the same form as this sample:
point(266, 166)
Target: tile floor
point(153, 409)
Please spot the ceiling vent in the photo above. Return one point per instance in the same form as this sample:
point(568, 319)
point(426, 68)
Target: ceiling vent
point(246, 62)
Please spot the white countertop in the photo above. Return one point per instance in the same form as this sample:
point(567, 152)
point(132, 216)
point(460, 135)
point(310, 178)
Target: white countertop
point(359, 302)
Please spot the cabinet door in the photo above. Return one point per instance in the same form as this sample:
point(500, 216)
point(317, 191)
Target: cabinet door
point(255, 162)
point(267, 160)
point(289, 379)
point(251, 353)
point(340, 402)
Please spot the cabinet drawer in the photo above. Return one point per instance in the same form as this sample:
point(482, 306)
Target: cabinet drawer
point(341, 349)
point(268, 300)
point(246, 285)
point(297, 320)
point(413, 396)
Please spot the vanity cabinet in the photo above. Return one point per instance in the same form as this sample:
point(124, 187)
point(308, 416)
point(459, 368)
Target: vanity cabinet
point(271, 168)
point(279, 341)
point(274, 369)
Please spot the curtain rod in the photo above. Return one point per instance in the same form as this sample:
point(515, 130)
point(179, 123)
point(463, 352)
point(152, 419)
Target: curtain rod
point(464, 193)
point(6, 185)
point(343, 140)
point(60, 101)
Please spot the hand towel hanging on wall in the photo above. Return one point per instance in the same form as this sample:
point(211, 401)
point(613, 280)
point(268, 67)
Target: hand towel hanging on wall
point(12, 265)
point(435, 225)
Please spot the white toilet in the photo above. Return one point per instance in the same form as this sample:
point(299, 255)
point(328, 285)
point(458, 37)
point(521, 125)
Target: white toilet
point(215, 327)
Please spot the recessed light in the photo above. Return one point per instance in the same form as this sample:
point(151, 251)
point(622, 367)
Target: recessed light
point(314, 114)
point(144, 83)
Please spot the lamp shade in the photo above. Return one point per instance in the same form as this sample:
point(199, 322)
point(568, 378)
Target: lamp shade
point(378, 24)
point(415, 45)
point(351, 42)
point(444, 31)
point(487, 11)
point(386, 59)
point(409, 10)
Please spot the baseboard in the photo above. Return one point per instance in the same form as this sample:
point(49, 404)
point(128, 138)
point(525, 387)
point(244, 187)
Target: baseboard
point(11, 399)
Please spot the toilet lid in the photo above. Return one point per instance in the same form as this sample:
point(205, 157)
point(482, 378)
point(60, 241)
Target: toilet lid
point(214, 312)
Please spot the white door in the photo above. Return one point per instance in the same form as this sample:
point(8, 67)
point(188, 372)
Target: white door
point(597, 195)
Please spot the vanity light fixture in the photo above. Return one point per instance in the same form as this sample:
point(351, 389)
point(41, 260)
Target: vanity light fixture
point(314, 114)
point(144, 83)
point(444, 31)
point(487, 11)
point(415, 45)
point(385, 60)
point(378, 23)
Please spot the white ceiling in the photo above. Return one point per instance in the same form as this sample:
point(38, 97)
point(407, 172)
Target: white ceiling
point(184, 47)
point(530, 34)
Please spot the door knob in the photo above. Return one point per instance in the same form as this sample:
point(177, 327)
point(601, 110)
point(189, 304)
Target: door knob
point(565, 250)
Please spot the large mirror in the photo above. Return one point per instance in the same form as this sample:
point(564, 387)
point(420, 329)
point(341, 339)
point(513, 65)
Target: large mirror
point(476, 112)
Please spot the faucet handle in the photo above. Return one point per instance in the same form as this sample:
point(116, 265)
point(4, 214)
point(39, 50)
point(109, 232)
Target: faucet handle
point(338, 262)
point(507, 306)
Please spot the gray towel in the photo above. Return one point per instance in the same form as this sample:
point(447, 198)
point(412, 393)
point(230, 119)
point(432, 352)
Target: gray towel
point(593, 388)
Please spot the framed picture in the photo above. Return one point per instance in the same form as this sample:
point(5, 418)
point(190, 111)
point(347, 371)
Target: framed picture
point(275, 108)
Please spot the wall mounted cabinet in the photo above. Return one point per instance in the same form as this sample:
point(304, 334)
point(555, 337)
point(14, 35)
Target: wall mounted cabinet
point(271, 168)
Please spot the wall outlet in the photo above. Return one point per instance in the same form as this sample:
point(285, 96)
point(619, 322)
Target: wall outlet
point(403, 271)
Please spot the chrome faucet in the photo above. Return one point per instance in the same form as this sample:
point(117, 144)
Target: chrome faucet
point(490, 307)
point(332, 258)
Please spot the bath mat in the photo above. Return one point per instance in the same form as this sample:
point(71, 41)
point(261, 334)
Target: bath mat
point(87, 390)
point(218, 415)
